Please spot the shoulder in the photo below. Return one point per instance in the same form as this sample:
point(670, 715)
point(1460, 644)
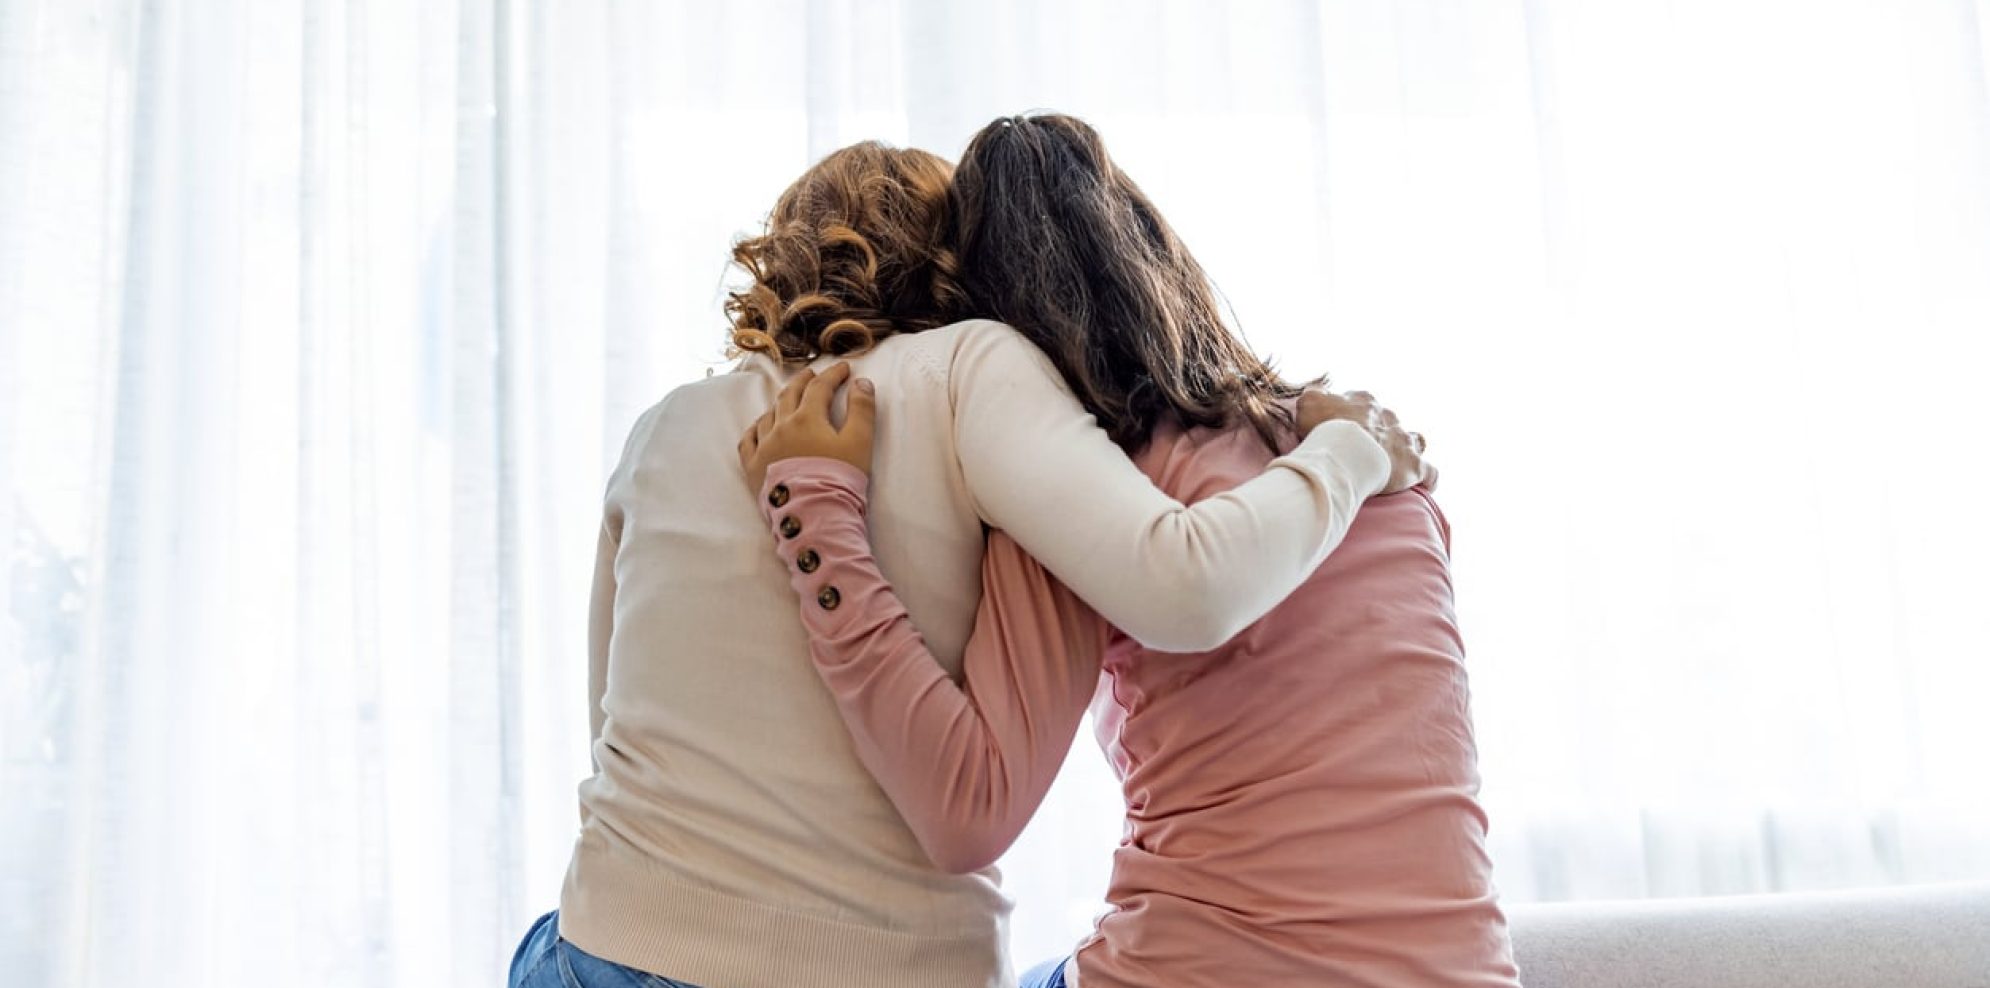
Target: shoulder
point(983, 338)
point(991, 356)
point(971, 354)
point(689, 407)
point(1429, 502)
point(685, 400)
point(940, 351)
point(642, 434)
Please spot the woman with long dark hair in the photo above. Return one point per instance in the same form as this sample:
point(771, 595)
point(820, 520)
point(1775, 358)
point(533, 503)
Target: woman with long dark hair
point(1300, 799)
point(730, 835)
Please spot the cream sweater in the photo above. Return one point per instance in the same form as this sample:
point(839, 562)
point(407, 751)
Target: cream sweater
point(730, 836)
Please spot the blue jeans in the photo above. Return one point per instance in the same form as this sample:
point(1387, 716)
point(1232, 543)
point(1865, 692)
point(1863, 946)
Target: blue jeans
point(544, 960)
point(1049, 974)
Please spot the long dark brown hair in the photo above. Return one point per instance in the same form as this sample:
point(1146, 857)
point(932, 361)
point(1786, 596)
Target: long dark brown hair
point(853, 252)
point(1056, 241)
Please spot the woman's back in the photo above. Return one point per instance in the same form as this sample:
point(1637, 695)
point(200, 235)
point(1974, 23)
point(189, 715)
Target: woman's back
point(1301, 801)
point(728, 804)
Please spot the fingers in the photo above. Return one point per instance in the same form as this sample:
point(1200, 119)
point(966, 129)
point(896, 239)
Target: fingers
point(863, 416)
point(821, 391)
point(749, 456)
point(791, 395)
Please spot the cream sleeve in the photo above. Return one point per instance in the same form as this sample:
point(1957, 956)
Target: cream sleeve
point(1175, 578)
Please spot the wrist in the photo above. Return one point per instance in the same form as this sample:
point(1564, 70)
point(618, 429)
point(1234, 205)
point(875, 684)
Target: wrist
point(1355, 452)
point(802, 475)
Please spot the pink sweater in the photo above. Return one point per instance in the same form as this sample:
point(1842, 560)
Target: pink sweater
point(1300, 802)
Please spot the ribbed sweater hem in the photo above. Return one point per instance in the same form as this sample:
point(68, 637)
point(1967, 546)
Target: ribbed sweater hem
point(633, 916)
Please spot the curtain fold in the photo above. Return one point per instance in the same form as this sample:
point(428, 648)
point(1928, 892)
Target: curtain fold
point(323, 321)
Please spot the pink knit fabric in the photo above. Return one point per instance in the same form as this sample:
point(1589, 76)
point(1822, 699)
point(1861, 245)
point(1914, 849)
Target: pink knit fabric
point(1301, 802)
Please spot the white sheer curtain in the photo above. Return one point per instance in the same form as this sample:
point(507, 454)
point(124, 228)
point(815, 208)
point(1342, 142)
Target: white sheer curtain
point(321, 321)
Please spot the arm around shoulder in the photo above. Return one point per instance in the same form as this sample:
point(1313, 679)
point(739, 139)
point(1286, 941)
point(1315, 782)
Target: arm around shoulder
point(1173, 577)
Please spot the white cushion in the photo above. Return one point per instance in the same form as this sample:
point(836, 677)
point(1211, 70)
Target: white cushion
point(1930, 936)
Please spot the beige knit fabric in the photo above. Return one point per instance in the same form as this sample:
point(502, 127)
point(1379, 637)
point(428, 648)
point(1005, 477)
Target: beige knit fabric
point(730, 837)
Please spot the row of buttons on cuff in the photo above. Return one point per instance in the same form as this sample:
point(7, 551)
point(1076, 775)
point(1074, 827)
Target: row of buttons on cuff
point(807, 560)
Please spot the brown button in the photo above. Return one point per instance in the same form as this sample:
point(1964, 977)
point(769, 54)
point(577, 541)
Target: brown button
point(807, 561)
point(778, 497)
point(790, 527)
point(829, 598)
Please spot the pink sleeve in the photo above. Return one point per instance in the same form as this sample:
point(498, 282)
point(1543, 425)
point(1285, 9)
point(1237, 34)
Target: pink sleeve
point(965, 764)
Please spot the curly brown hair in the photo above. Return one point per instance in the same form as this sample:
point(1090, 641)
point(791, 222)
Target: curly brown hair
point(853, 252)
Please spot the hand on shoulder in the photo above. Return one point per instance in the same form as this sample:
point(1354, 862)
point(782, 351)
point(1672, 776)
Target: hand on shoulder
point(1407, 466)
point(799, 425)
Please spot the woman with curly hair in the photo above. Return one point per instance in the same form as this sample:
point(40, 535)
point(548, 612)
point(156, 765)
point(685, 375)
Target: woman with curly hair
point(1300, 799)
point(730, 835)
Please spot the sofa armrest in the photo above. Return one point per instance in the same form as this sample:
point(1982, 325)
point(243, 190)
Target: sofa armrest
point(1929, 936)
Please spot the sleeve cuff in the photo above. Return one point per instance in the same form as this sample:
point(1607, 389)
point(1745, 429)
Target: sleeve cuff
point(809, 475)
point(815, 507)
